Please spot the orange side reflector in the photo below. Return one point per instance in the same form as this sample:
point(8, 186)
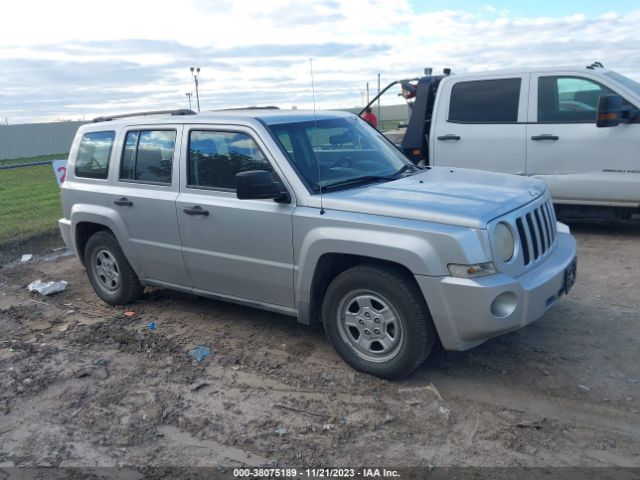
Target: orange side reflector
point(416, 152)
point(607, 116)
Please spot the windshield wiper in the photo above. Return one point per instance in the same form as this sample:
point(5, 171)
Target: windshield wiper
point(404, 168)
point(369, 178)
point(355, 180)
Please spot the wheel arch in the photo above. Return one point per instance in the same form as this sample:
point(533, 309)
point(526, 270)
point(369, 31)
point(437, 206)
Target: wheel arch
point(328, 267)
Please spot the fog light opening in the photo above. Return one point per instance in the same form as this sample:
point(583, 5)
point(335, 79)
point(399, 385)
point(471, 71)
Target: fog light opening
point(504, 305)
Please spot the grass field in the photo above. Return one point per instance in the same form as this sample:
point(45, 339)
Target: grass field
point(29, 200)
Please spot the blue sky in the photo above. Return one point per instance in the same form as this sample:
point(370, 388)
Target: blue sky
point(73, 59)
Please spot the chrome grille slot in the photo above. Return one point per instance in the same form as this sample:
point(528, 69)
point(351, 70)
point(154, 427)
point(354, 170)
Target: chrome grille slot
point(537, 231)
point(523, 241)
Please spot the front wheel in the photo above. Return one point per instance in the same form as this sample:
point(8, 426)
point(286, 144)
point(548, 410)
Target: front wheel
point(377, 320)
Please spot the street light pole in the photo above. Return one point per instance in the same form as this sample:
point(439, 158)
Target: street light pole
point(195, 78)
point(188, 94)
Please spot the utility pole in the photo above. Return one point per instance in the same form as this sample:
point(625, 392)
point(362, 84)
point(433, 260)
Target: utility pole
point(378, 98)
point(188, 94)
point(367, 93)
point(195, 79)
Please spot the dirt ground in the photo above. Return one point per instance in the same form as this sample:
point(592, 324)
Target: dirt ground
point(82, 384)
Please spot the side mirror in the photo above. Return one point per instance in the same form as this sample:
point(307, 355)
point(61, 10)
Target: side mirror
point(609, 110)
point(258, 184)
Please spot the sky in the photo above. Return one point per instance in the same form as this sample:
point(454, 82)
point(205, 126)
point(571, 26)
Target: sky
point(77, 59)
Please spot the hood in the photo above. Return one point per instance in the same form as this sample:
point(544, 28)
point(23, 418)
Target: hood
point(455, 196)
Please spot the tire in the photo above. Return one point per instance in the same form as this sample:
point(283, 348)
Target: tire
point(377, 320)
point(109, 272)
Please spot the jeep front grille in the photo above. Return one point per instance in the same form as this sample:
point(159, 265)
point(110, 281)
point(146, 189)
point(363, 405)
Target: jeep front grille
point(537, 231)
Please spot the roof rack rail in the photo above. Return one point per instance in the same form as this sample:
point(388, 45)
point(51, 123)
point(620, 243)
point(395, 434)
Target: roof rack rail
point(268, 107)
point(595, 65)
point(178, 111)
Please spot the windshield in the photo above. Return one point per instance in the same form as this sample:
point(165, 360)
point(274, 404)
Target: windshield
point(336, 151)
point(625, 82)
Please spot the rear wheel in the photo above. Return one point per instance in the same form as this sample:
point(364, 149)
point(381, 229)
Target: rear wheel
point(377, 320)
point(109, 272)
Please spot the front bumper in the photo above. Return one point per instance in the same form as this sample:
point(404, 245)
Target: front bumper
point(466, 312)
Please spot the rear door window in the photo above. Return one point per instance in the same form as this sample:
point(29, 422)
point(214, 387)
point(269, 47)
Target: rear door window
point(148, 156)
point(94, 153)
point(485, 101)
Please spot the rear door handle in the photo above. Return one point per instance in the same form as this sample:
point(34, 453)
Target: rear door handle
point(123, 202)
point(545, 136)
point(196, 210)
point(449, 137)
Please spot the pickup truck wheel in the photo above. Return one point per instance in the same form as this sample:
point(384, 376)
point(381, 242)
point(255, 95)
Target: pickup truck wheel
point(377, 320)
point(109, 272)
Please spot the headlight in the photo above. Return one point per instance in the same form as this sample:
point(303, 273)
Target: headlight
point(504, 241)
point(468, 271)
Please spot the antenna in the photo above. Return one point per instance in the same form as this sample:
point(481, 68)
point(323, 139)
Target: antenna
point(315, 134)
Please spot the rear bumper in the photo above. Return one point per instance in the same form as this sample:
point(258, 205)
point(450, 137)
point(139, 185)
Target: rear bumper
point(467, 312)
point(65, 232)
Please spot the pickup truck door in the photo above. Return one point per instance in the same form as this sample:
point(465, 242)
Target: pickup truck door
point(480, 123)
point(581, 163)
point(234, 248)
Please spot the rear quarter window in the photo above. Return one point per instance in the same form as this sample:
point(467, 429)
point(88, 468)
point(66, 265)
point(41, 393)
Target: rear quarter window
point(94, 153)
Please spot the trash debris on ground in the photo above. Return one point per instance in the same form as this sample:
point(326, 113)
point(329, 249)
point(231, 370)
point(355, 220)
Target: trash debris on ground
point(445, 412)
point(199, 353)
point(281, 431)
point(26, 257)
point(583, 388)
point(129, 313)
point(47, 288)
point(101, 362)
point(152, 325)
point(417, 395)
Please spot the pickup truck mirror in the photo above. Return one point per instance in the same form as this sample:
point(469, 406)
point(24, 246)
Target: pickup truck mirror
point(609, 110)
point(258, 184)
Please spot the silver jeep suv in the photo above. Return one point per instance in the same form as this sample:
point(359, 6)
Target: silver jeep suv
point(316, 216)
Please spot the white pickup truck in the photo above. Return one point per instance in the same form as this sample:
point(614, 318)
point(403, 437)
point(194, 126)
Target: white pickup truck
point(545, 123)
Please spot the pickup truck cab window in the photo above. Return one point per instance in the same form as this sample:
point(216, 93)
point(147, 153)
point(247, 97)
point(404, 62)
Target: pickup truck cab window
point(485, 101)
point(93, 155)
point(215, 157)
point(569, 99)
point(338, 150)
point(148, 156)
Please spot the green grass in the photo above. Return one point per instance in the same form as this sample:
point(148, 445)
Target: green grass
point(29, 201)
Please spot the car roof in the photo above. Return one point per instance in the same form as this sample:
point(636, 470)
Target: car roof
point(243, 116)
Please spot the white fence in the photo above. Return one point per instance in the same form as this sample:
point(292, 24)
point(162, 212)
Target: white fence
point(34, 139)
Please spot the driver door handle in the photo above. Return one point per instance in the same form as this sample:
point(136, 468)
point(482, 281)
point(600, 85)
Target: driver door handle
point(449, 137)
point(196, 210)
point(123, 202)
point(545, 136)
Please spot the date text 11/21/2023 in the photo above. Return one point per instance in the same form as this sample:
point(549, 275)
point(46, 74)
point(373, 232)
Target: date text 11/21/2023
point(315, 473)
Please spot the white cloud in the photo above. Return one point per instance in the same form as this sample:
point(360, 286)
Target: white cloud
point(71, 58)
